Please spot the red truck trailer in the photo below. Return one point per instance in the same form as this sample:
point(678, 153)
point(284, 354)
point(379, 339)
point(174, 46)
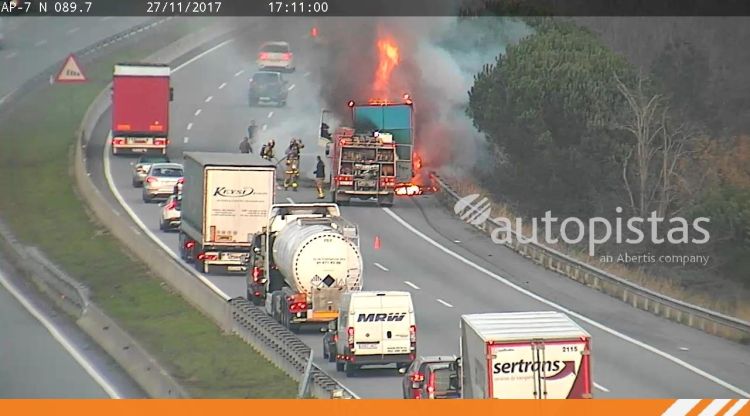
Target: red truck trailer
point(141, 94)
point(524, 355)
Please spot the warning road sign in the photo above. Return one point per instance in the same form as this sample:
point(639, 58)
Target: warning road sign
point(70, 71)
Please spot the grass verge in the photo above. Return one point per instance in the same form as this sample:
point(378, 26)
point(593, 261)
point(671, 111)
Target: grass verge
point(715, 298)
point(40, 204)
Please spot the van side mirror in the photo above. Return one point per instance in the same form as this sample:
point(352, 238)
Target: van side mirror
point(402, 370)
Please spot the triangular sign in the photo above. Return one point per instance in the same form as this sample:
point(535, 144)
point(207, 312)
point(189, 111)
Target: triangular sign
point(70, 71)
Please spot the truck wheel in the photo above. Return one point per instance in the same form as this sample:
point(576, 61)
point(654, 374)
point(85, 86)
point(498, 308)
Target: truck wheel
point(294, 328)
point(339, 366)
point(350, 369)
point(146, 198)
point(161, 226)
point(331, 358)
point(136, 184)
point(325, 354)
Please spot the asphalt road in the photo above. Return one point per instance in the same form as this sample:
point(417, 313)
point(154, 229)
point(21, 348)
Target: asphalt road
point(449, 268)
point(34, 43)
point(33, 362)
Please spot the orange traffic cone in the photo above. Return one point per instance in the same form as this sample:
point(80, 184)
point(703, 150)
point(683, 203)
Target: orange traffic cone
point(377, 242)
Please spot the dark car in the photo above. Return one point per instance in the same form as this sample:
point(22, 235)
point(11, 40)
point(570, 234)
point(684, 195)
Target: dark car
point(414, 380)
point(268, 87)
point(329, 341)
point(440, 382)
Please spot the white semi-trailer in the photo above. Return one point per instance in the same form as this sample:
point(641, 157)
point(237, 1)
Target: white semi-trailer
point(226, 200)
point(524, 355)
point(303, 263)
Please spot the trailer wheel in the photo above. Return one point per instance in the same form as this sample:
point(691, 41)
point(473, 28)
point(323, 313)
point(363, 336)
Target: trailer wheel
point(339, 366)
point(350, 369)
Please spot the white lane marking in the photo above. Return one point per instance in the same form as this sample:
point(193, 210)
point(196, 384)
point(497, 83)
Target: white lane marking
point(5, 97)
point(600, 387)
point(270, 114)
point(265, 126)
point(60, 338)
point(74, 30)
point(11, 55)
point(563, 309)
point(291, 201)
point(445, 303)
point(408, 283)
point(41, 42)
point(209, 98)
point(187, 139)
point(240, 72)
point(134, 217)
point(306, 74)
point(197, 112)
point(381, 267)
point(104, 19)
point(201, 55)
point(713, 408)
point(223, 84)
point(681, 407)
point(190, 126)
point(116, 192)
point(684, 349)
point(291, 87)
point(736, 408)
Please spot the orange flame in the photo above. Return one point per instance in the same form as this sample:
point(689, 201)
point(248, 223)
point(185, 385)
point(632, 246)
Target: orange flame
point(388, 59)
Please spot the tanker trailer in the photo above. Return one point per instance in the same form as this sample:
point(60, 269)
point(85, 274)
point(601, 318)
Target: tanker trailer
point(303, 263)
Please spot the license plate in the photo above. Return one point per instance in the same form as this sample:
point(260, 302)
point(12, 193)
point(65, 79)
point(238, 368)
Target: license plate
point(367, 346)
point(139, 150)
point(235, 268)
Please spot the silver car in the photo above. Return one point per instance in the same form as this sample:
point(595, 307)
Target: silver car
point(161, 181)
point(275, 55)
point(141, 168)
point(170, 212)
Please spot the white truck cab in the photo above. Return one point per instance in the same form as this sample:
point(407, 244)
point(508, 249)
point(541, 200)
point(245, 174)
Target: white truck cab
point(375, 328)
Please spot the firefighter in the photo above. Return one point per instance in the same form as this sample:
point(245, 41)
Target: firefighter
point(292, 164)
point(267, 151)
point(251, 130)
point(245, 146)
point(320, 174)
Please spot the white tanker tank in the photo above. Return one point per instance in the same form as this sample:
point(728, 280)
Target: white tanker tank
point(314, 257)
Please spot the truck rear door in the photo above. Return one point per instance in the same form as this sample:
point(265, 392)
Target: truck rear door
point(539, 369)
point(395, 329)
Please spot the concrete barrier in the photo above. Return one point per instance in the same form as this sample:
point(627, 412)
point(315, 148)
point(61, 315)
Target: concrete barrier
point(268, 337)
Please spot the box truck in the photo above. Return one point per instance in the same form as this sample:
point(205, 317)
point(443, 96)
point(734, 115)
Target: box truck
point(226, 200)
point(524, 355)
point(141, 94)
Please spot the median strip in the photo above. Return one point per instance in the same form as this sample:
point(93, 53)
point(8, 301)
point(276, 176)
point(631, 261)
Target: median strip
point(41, 207)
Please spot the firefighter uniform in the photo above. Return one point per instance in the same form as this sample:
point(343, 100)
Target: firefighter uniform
point(291, 174)
point(267, 151)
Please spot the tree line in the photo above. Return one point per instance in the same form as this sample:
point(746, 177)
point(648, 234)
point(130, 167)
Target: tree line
point(582, 129)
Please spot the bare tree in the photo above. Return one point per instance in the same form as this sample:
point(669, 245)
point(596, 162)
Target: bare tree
point(655, 156)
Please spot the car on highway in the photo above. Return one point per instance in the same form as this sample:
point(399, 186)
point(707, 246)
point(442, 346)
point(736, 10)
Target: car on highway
point(440, 382)
point(171, 212)
point(162, 180)
point(268, 87)
point(276, 55)
point(143, 165)
point(413, 383)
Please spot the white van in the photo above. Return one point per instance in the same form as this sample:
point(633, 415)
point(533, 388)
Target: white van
point(375, 328)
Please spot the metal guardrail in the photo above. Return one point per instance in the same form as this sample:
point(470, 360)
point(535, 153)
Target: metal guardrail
point(271, 339)
point(639, 297)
